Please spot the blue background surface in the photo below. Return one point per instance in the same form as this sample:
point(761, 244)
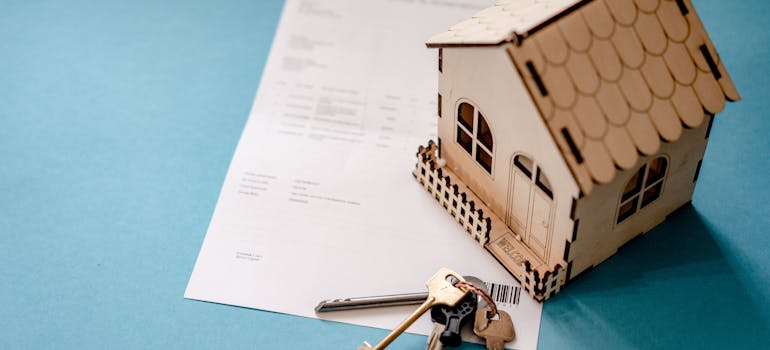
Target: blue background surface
point(117, 124)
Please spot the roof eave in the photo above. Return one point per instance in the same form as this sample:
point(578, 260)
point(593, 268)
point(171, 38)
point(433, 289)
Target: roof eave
point(442, 45)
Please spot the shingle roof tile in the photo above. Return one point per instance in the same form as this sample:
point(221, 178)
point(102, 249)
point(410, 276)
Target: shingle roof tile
point(576, 32)
point(583, 73)
point(599, 19)
point(665, 119)
point(647, 5)
point(613, 103)
point(709, 93)
point(673, 22)
point(622, 149)
point(606, 60)
point(679, 63)
point(623, 11)
point(687, 105)
point(552, 45)
point(643, 133)
point(590, 117)
point(657, 76)
point(564, 95)
point(635, 89)
point(650, 33)
point(599, 163)
point(628, 46)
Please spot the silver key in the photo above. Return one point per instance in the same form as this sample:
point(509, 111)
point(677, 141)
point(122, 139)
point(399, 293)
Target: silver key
point(496, 332)
point(433, 339)
point(382, 300)
point(371, 302)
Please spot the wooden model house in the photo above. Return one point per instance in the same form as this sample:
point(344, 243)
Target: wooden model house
point(567, 128)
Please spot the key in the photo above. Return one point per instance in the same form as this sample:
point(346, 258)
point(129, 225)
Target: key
point(440, 292)
point(433, 339)
point(371, 302)
point(454, 318)
point(383, 300)
point(495, 332)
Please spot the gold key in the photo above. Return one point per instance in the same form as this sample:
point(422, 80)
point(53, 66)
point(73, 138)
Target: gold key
point(495, 332)
point(440, 292)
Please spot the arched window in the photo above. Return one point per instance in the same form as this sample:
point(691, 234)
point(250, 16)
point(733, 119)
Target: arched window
point(643, 188)
point(474, 135)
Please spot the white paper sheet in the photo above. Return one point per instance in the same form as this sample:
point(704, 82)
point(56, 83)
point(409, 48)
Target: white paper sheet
point(320, 192)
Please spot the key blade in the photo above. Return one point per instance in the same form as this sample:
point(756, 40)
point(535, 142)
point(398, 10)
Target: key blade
point(371, 302)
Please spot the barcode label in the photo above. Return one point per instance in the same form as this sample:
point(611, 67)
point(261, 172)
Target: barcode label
point(503, 293)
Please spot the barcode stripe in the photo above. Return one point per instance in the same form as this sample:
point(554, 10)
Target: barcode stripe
point(518, 295)
point(503, 293)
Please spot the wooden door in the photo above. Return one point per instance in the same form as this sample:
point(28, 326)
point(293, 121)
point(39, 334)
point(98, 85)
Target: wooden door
point(539, 223)
point(519, 210)
point(530, 205)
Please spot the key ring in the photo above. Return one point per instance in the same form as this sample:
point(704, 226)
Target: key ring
point(480, 292)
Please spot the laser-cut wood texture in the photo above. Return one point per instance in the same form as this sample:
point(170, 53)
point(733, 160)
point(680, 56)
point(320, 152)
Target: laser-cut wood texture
point(647, 57)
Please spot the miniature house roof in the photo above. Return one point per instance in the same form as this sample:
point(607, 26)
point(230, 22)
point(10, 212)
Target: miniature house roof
point(611, 78)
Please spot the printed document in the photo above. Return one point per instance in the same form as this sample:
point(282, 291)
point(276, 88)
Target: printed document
point(319, 201)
